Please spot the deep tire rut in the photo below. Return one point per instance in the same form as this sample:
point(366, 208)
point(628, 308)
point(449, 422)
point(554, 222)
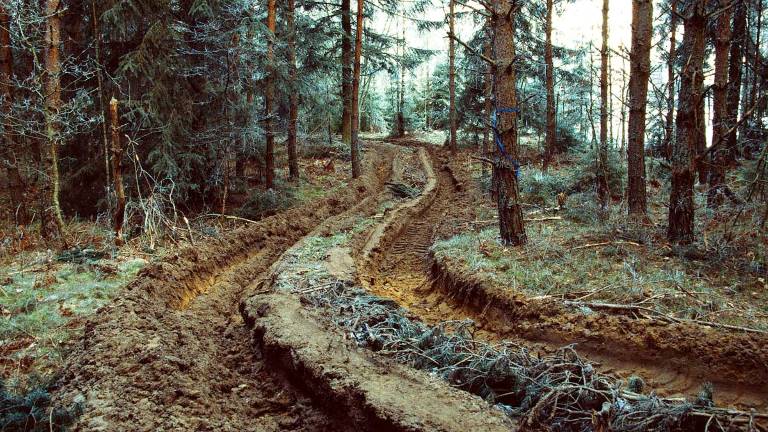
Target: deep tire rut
point(172, 352)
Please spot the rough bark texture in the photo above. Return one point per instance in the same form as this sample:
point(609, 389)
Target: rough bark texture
point(722, 39)
point(602, 153)
point(452, 77)
point(117, 173)
point(549, 146)
point(401, 85)
point(669, 131)
point(293, 115)
point(269, 96)
point(681, 209)
point(640, 70)
point(511, 224)
point(356, 92)
point(52, 225)
point(346, 71)
point(735, 78)
point(10, 151)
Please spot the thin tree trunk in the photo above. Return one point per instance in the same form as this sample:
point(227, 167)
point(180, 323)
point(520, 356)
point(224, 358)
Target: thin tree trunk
point(602, 154)
point(346, 71)
point(549, 146)
point(511, 225)
point(117, 173)
point(670, 120)
point(293, 116)
point(269, 95)
point(722, 39)
point(681, 206)
point(52, 223)
point(735, 79)
point(11, 151)
point(100, 83)
point(487, 144)
point(452, 76)
point(640, 71)
point(401, 89)
point(355, 92)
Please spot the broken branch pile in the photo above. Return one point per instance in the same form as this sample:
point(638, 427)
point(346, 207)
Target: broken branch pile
point(560, 392)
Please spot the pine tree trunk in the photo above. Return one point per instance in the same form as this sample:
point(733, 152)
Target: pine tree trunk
point(52, 223)
point(269, 96)
point(488, 136)
point(293, 116)
point(640, 70)
point(10, 151)
point(549, 146)
point(670, 119)
point(401, 89)
point(681, 206)
point(735, 79)
point(356, 92)
point(452, 144)
point(511, 225)
point(720, 106)
point(602, 154)
point(118, 217)
point(346, 71)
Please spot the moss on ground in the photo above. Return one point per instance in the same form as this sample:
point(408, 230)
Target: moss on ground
point(42, 308)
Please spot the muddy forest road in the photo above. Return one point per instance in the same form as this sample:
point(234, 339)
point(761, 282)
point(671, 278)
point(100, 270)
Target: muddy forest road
point(172, 352)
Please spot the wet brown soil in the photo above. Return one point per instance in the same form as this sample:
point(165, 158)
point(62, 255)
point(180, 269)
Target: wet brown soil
point(674, 359)
point(172, 352)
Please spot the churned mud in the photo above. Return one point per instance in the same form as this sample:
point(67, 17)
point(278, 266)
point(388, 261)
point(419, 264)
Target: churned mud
point(172, 352)
point(205, 340)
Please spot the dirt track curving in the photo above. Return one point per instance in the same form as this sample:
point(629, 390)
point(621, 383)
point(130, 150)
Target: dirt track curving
point(172, 353)
point(674, 359)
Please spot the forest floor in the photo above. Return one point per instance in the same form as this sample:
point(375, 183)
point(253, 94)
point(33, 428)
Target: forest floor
point(185, 343)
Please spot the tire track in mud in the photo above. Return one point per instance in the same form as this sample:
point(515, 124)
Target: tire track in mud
point(172, 351)
point(402, 272)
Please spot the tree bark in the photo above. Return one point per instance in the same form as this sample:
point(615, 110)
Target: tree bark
point(269, 95)
point(549, 146)
point(640, 70)
point(118, 217)
point(356, 92)
point(10, 151)
point(488, 136)
point(681, 206)
point(293, 116)
point(452, 144)
point(735, 79)
point(511, 225)
point(669, 130)
point(602, 154)
point(52, 223)
point(346, 71)
point(401, 88)
point(722, 39)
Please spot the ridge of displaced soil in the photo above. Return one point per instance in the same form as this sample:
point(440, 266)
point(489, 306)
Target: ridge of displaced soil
point(172, 352)
point(674, 359)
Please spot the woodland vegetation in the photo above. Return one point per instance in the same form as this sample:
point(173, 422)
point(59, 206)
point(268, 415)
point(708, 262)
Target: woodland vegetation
point(130, 129)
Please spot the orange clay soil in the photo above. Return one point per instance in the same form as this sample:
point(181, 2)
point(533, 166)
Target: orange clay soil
point(674, 359)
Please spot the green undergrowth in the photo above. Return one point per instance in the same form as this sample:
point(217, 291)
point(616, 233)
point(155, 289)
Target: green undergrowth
point(580, 253)
point(42, 307)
